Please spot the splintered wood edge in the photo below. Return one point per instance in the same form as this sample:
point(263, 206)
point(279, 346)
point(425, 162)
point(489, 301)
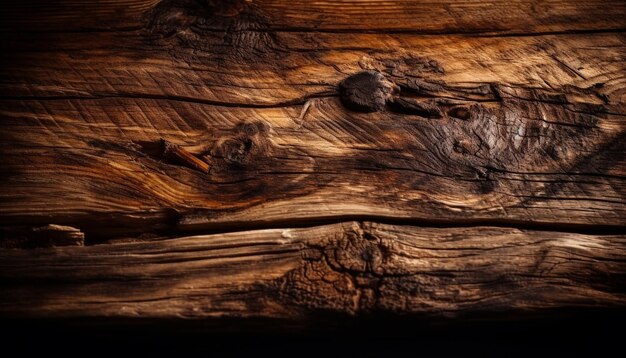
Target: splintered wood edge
point(349, 268)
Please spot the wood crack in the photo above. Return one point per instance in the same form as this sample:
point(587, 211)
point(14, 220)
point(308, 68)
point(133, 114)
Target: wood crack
point(288, 103)
point(192, 224)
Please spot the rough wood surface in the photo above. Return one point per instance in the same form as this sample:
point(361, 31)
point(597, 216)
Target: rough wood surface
point(517, 140)
point(133, 124)
point(416, 16)
point(347, 268)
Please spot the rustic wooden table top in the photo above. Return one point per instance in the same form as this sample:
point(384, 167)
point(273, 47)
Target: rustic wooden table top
point(282, 160)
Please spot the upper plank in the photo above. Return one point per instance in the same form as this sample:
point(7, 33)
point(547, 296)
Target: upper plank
point(415, 16)
point(492, 129)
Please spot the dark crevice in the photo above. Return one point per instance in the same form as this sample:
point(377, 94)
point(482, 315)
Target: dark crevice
point(295, 29)
point(425, 32)
point(289, 103)
point(95, 30)
point(552, 33)
point(570, 228)
point(174, 227)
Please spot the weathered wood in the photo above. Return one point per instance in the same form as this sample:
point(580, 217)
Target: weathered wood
point(415, 16)
point(348, 268)
point(134, 124)
point(44, 236)
point(550, 153)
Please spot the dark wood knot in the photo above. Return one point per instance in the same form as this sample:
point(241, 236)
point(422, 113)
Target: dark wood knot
point(248, 141)
point(366, 91)
point(235, 150)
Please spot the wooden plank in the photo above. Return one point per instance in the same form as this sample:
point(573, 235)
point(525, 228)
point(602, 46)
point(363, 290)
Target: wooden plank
point(288, 68)
point(531, 131)
point(467, 16)
point(349, 268)
point(416, 16)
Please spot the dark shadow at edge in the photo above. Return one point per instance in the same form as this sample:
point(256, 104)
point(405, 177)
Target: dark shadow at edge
point(571, 332)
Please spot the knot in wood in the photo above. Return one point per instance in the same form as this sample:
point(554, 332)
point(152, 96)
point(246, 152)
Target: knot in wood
point(235, 151)
point(366, 91)
point(342, 274)
point(170, 16)
point(357, 255)
point(248, 141)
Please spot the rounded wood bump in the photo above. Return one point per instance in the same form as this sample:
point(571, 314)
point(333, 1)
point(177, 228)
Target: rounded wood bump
point(367, 91)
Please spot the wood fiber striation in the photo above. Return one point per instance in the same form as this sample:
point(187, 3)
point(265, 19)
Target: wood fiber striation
point(275, 159)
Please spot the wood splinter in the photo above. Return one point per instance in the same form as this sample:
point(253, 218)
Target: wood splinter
point(176, 153)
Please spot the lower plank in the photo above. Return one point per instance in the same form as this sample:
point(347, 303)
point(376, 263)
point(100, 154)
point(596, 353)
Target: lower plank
point(353, 268)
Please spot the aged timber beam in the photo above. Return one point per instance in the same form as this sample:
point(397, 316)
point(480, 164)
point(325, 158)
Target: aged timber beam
point(350, 268)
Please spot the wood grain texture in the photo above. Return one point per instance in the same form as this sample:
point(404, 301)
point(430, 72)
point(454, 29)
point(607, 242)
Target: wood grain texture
point(416, 16)
point(349, 268)
point(73, 15)
point(487, 139)
point(536, 141)
point(445, 16)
